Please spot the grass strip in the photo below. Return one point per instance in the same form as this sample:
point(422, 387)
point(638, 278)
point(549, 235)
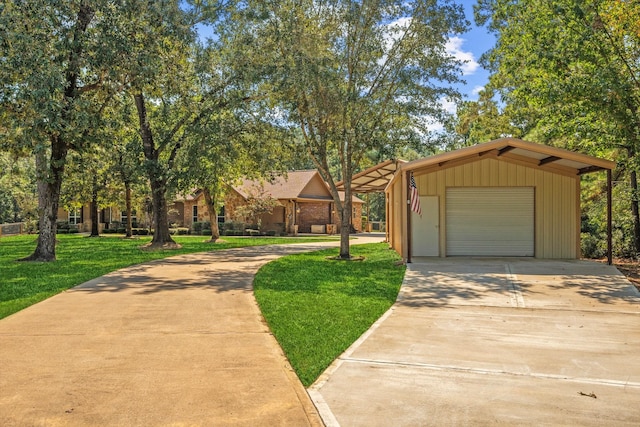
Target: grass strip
point(80, 258)
point(317, 307)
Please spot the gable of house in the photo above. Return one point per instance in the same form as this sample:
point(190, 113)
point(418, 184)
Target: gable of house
point(315, 188)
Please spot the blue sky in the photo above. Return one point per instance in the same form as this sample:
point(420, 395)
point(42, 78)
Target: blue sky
point(469, 47)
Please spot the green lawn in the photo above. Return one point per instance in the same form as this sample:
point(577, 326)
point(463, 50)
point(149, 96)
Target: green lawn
point(80, 258)
point(317, 307)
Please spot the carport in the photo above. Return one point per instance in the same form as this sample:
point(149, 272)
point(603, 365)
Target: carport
point(507, 197)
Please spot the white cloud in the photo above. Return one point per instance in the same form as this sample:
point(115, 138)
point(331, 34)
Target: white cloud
point(454, 48)
point(448, 105)
point(476, 90)
point(433, 125)
point(394, 32)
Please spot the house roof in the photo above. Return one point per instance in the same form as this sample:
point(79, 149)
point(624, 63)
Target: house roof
point(296, 185)
point(280, 187)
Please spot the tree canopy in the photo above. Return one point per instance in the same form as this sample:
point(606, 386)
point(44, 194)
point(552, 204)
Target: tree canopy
point(569, 75)
point(352, 76)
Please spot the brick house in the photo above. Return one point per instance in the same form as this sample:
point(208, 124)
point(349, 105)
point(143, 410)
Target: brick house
point(304, 200)
point(80, 218)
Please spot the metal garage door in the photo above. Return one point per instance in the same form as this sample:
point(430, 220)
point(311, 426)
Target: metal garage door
point(496, 221)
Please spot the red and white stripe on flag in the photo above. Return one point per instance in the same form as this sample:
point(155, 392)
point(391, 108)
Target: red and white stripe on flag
point(415, 197)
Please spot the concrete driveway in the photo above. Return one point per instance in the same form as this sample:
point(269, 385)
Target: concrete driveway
point(174, 342)
point(494, 342)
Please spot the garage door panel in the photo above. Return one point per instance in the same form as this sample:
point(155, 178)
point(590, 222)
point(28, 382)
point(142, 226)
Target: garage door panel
point(490, 221)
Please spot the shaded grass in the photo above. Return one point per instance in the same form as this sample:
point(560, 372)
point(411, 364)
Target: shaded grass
point(80, 258)
point(317, 307)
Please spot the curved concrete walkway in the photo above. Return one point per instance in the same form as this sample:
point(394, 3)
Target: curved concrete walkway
point(177, 342)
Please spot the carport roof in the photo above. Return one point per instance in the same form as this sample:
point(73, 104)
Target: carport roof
point(527, 153)
point(374, 179)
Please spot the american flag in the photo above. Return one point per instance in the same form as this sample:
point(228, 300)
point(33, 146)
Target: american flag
point(415, 197)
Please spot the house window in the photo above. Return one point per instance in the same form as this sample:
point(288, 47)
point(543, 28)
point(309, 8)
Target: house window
point(221, 215)
point(134, 219)
point(355, 213)
point(194, 216)
point(75, 216)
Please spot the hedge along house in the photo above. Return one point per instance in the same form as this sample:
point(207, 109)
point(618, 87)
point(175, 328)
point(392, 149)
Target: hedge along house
point(304, 204)
point(506, 197)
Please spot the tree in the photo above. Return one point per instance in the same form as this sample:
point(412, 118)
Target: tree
point(352, 75)
point(571, 71)
point(224, 150)
point(17, 189)
point(482, 120)
point(169, 101)
point(58, 68)
point(257, 204)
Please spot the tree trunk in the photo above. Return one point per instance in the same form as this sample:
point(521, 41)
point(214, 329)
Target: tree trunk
point(127, 201)
point(95, 229)
point(161, 236)
point(635, 210)
point(49, 182)
point(345, 222)
point(211, 200)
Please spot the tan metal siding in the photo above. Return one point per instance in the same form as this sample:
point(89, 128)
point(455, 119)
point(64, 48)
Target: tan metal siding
point(556, 225)
point(395, 216)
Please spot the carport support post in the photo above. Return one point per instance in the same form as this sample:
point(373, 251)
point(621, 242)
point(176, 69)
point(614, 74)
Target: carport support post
point(408, 211)
point(609, 201)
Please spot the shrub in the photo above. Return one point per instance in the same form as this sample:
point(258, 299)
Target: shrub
point(206, 232)
point(73, 230)
point(593, 246)
point(180, 231)
point(143, 232)
point(271, 233)
point(235, 226)
point(121, 230)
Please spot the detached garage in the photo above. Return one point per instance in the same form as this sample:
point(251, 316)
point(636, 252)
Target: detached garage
point(506, 197)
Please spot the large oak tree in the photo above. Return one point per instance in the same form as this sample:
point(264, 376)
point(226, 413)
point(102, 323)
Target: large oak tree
point(352, 75)
point(56, 69)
